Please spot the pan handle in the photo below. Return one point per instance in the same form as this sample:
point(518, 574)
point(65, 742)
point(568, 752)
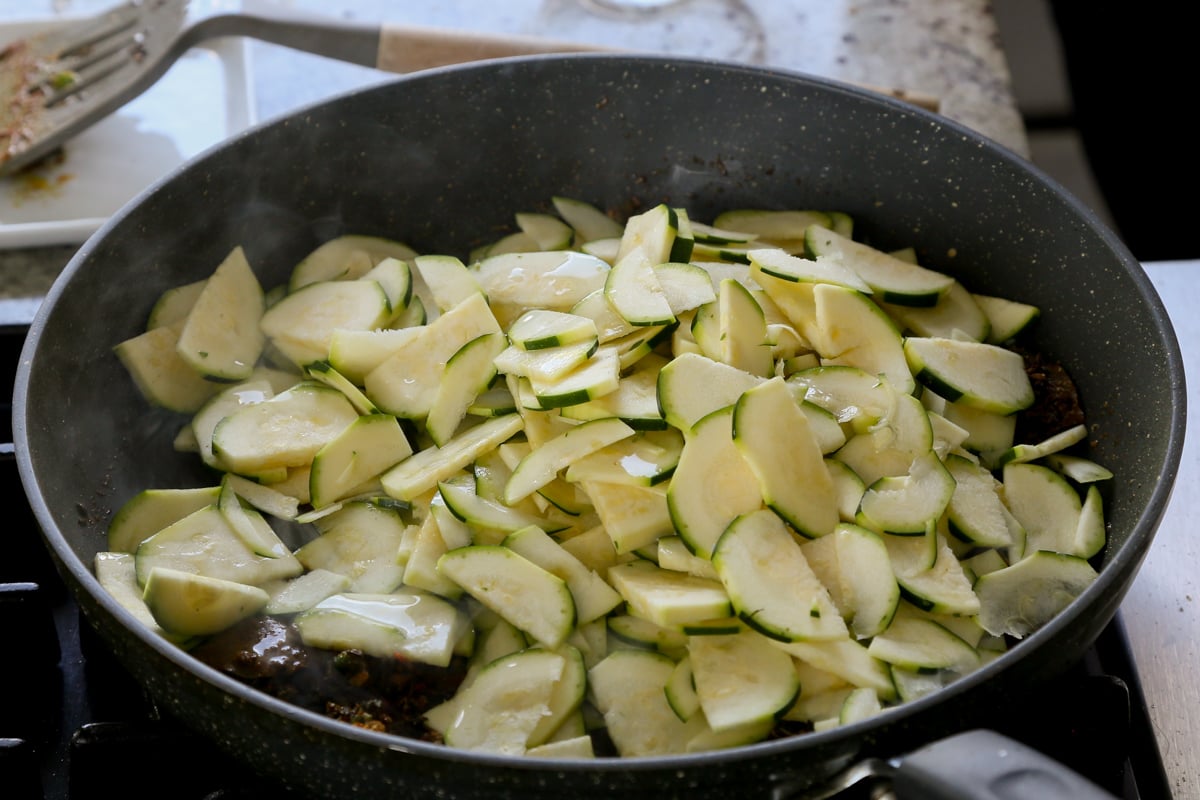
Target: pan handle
point(973, 765)
point(985, 765)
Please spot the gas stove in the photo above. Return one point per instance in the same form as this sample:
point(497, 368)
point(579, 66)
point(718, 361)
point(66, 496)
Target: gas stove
point(74, 724)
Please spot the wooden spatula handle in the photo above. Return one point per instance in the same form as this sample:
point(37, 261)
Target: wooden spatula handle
point(409, 48)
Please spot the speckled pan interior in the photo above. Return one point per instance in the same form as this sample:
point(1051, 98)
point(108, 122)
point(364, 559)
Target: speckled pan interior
point(442, 161)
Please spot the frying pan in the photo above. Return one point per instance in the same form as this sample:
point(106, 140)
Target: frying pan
point(442, 160)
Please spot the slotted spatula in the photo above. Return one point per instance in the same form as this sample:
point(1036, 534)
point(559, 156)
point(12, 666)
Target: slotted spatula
point(54, 85)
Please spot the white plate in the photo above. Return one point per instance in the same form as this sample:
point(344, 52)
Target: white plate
point(205, 97)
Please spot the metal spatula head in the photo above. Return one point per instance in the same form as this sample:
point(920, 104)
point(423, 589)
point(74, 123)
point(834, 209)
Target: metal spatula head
point(56, 83)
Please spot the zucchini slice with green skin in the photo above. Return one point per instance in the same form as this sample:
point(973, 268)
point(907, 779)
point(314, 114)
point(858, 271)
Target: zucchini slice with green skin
point(742, 330)
point(303, 322)
point(943, 588)
point(589, 222)
point(920, 644)
point(651, 236)
point(221, 338)
point(666, 597)
point(447, 280)
point(544, 462)
point(346, 258)
point(794, 269)
point(847, 659)
point(1006, 318)
point(647, 458)
point(468, 373)
point(550, 232)
point(1054, 444)
point(408, 622)
point(681, 690)
point(627, 688)
point(977, 374)
point(203, 542)
point(975, 512)
point(187, 604)
point(359, 540)
point(870, 593)
point(1046, 505)
point(517, 701)
point(250, 525)
point(685, 285)
point(406, 382)
point(593, 596)
point(596, 377)
point(770, 583)
point(633, 289)
point(161, 374)
point(741, 679)
point(909, 504)
point(955, 314)
point(854, 331)
point(1019, 599)
point(712, 485)
point(541, 328)
point(286, 430)
point(367, 447)
point(774, 436)
point(692, 386)
point(891, 279)
point(151, 510)
point(531, 598)
point(424, 469)
point(770, 225)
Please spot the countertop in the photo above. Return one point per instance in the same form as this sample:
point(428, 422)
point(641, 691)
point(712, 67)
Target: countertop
point(945, 48)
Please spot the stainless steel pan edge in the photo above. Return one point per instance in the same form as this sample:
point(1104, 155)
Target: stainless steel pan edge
point(442, 160)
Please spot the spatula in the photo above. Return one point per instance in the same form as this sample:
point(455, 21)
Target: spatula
point(54, 85)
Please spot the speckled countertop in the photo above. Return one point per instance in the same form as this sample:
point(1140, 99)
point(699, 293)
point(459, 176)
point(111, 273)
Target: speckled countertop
point(946, 49)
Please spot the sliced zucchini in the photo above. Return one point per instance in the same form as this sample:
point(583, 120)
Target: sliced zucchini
point(955, 315)
point(593, 596)
point(692, 386)
point(346, 257)
point(742, 330)
point(785, 266)
point(892, 280)
point(286, 430)
point(627, 687)
point(151, 510)
point(221, 338)
point(204, 543)
point(908, 504)
point(468, 374)
point(712, 485)
point(1006, 318)
point(770, 583)
point(541, 328)
point(247, 523)
point(633, 290)
point(526, 595)
point(780, 227)
point(406, 383)
point(856, 332)
point(741, 679)
point(1050, 446)
point(645, 459)
point(589, 222)
point(187, 604)
point(406, 623)
point(544, 463)
point(774, 437)
point(161, 374)
point(977, 374)
point(302, 323)
point(666, 597)
point(632, 516)
point(920, 644)
point(1019, 599)
point(1046, 505)
point(364, 449)
point(447, 279)
point(360, 540)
